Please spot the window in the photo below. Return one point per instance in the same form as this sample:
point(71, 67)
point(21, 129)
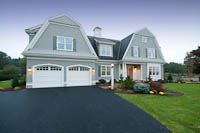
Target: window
point(144, 39)
point(154, 70)
point(135, 51)
point(151, 53)
point(105, 50)
point(64, 43)
point(105, 70)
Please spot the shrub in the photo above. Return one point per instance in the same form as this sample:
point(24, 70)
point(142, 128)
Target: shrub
point(169, 78)
point(17, 88)
point(118, 90)
point(162, 81)
point(121, 78)
point(4, 77)
point(15, 82)
point(129, 91)
point(128, 83)
point(115, 81)
point(102, 81)
point(156, 86)
point(1, 88)
point(22, 81)
point(149, 78)
point(141, 88)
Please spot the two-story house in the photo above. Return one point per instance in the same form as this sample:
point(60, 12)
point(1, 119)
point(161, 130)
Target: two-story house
point(59, 53)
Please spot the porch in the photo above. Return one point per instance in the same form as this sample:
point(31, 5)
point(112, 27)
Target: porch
point(132, 70)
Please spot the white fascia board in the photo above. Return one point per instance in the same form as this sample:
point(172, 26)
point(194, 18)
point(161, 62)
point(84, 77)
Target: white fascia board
point(128, 46)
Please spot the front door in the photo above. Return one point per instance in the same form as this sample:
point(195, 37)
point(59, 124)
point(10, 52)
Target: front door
point(130, 71)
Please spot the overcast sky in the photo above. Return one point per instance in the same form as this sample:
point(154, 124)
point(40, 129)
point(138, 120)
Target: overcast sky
point(175, 23)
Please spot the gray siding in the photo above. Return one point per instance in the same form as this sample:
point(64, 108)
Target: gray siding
point(137, 41)
point(46, 43)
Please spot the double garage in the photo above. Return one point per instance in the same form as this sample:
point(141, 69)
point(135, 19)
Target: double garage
point(51, 75)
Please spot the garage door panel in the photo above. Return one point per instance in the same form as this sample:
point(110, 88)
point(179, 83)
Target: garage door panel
point(78, 76)
point(48, 76)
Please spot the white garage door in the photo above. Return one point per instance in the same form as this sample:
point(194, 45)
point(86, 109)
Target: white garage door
point(78, 76)
point(47, 76)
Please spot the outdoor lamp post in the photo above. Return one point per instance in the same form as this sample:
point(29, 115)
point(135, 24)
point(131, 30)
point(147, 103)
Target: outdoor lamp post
point(112, 76)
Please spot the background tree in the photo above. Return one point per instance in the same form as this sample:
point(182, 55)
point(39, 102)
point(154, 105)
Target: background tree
point(4, 60)
point(175, 68)
point(192, 61)
point(22, 66)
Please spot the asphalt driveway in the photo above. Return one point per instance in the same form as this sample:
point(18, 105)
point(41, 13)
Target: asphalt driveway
point(72, 110)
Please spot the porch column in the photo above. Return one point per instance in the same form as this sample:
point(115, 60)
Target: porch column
point(124, 70)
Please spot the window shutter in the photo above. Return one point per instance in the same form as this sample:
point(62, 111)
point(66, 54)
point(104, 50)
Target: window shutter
point(74, 45)
point(54, 42)
point(146, 52)
point(131, 51)
point(99, 71)
point(138, 51)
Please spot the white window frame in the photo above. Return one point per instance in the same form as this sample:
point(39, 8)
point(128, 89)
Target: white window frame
point(144, 39)
point(151, 53)
point(155, 68)
point(106, 70)
point(135, 53)
point(65, 43)
point(103, 45)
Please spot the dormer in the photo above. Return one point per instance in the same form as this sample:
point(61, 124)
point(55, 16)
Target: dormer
point(105, 46)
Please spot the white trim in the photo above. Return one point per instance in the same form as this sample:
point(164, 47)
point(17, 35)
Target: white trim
point(67, 68)
point(48, 64)
point(65, 43)
point(141, 71)
point(38, 58)
point(105, 71)
point(153, 65)
point(45, 25)
point(128, 46)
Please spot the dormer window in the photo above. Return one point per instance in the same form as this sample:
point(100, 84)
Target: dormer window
point(64, 43)
point(105, 50)
point(144, 39)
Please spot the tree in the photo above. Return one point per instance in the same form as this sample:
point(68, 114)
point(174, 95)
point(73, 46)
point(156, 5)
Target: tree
point(10, 69)
point(4, 59)
point(174, 68)
point(192, 61)
point(22, 65)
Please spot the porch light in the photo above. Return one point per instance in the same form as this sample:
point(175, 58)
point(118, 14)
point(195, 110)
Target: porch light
point(135, 69)
point(29, 69)
point(93, 70)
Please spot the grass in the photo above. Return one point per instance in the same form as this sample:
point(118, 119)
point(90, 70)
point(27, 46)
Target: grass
point(179, 114)
point(5, 84)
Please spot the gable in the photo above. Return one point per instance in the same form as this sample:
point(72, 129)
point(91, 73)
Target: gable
point(64, 20)
point(144, 32)
point(44, 40)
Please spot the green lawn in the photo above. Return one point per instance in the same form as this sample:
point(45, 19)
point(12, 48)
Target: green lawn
point(5, 84)
point(179, 114)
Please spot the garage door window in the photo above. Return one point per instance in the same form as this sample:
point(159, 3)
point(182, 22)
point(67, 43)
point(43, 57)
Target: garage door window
point(77, 68)
point(46, 68)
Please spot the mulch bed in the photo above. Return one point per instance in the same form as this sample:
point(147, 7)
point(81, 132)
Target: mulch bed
point(11, 89)
point(124, 91)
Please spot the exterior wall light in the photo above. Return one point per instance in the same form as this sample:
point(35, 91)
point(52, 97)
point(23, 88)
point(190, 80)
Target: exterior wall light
point(93, 70)
point(29, 70)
